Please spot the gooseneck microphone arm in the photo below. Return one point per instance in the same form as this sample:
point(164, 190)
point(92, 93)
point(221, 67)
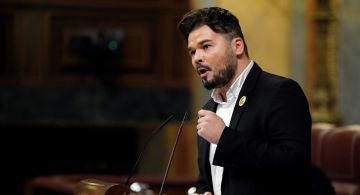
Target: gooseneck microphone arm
point(153, 133)
point(172, 153)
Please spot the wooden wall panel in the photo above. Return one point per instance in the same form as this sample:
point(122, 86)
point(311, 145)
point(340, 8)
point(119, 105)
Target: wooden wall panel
point(138, 4)
point(152, 55)
point(137, 55)
point(43, 80)
point(6, 47)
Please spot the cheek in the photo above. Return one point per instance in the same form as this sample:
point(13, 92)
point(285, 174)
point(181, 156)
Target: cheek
point(193, 63)
point(217, 61)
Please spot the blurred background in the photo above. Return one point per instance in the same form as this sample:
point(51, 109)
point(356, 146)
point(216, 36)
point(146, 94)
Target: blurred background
point(84, 83)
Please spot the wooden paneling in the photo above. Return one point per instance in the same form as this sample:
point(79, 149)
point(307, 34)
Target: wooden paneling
point(142, 4)
point(44, 80)
point(6, 47)
point(137, 57)
point(152, 51)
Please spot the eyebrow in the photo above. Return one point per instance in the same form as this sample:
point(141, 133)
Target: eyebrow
point(200, 43)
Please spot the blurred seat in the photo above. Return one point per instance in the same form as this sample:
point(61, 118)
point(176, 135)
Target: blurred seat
point(319, 132)
point(340, 158)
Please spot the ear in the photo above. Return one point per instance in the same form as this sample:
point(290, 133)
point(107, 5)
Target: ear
point(238, 45)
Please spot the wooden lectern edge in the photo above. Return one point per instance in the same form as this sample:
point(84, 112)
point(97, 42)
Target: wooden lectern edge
point(99, 187)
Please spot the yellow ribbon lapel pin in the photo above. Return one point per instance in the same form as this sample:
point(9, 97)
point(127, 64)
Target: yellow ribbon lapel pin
point(242, 101)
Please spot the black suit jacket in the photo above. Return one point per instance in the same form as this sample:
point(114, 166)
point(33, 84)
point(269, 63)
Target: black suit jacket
point(266, 148)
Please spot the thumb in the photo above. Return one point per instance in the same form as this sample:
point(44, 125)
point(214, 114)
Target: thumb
point(208, 193)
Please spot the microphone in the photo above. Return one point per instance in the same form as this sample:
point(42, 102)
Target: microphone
point(153, 133)
point(172, 153)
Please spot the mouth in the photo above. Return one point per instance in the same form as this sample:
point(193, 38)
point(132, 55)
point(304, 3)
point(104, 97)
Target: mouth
point(202, 71)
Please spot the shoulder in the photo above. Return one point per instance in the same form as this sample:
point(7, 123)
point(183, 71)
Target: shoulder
point(263, 79)
point(275, 86)
point(281, 89)
point(273, 81)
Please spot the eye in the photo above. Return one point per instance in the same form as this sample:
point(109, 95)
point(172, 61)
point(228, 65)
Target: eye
point(192, 52)
point(206, 46)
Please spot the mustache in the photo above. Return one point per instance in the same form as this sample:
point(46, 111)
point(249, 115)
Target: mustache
point(202, 68)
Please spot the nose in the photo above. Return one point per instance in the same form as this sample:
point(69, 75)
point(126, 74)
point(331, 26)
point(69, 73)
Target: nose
point(198, 56)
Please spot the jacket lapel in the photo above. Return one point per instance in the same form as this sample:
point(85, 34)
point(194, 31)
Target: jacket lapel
point(243, 98)
point(211, 105)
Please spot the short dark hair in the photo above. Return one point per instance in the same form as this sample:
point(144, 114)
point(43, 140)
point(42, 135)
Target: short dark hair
point(218, 19)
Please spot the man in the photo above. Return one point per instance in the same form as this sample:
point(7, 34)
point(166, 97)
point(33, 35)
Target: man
point(254, 132)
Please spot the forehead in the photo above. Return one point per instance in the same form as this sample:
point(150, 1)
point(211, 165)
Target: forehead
point(201, 34)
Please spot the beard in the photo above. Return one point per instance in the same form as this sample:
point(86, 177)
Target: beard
point(224, 75)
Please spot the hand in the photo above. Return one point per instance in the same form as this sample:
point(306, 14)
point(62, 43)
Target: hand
point(210, 126)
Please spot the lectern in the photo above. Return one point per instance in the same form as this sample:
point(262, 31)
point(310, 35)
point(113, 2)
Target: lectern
point(98, 187)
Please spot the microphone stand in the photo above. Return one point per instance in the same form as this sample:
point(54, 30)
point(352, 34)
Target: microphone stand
point(172, 153)
point(141, 154)
point(98, 187)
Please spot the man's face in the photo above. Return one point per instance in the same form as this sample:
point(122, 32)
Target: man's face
point(212, 57)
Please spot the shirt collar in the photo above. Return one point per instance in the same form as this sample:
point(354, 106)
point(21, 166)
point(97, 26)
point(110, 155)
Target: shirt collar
point(235, 88)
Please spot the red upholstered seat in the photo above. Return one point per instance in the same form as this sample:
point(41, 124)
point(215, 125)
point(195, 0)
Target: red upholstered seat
point(319, 132)
point(340, 159)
